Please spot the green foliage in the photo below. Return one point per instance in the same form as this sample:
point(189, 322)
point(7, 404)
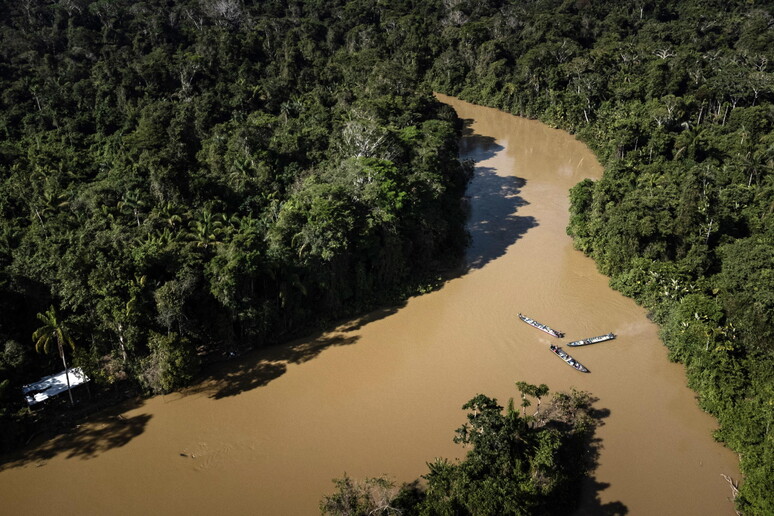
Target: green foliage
point(267, 166)
point(14, 360)
point(677, 103)
point(14, 356)
point(172, 363)
point(179, 170)
point(745, 289)
point(514, 465)
point(52, 331)
point(373, 496)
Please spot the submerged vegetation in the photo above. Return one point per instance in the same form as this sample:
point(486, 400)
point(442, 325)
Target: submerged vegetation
point(185, 179)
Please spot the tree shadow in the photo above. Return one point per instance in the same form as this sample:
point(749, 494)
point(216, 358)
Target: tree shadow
point(590, 502)
point(102, 432)
point(259, 367)
point(474, 146)
point(583, 492)
point(493, 199)
point(493, 224)
point(599, 414)
point(594, 505)
point(373, 316)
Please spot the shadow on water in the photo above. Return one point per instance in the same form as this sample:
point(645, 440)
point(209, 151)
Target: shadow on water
point(112, 429)
point(590, 489)
point(373, 316)
point(258, 368)
point(493, 227)
point(493, 223)
point(105, 431)
point(477, 146)
point(595, 507)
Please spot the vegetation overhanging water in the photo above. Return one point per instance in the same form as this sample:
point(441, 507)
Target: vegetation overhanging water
point(145, 149)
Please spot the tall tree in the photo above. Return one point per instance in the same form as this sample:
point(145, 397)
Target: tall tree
point(53, 330)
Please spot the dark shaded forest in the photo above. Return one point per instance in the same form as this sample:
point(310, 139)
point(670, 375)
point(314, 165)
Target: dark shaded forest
point(184, 180)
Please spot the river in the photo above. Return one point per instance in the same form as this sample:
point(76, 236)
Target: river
point(382, 395)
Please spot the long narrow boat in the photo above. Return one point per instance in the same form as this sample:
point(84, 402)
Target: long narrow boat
point(543, 327)
point(592, 340)
point(567, 358)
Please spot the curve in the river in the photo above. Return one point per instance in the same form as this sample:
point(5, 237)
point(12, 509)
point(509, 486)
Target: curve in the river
point(383, 395)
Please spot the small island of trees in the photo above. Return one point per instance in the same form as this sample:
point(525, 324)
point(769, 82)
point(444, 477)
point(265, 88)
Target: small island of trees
point(516, 464)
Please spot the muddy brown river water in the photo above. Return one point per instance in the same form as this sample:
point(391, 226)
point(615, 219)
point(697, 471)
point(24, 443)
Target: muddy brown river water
point(382, 395)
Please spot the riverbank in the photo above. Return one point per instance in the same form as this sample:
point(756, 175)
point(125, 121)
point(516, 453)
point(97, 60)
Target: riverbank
point(383, 395)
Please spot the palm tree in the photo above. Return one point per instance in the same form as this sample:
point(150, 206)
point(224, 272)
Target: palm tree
point(207, 229)
point(54, 330)
point(133, 204)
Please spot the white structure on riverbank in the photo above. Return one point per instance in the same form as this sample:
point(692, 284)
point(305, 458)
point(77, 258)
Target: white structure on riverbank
point(50, 386)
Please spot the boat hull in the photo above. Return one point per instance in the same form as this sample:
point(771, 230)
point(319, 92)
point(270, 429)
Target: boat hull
point(567, 359)
point(592, 340)
point(541, 327)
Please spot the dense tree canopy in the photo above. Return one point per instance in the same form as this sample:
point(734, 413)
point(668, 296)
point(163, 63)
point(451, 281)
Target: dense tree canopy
point(186, 180)
point(180, 179)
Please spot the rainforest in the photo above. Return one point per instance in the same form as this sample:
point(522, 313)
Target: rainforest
point(182, 181)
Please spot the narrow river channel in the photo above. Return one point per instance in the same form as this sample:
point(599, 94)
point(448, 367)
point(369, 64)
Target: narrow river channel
point(382, 395)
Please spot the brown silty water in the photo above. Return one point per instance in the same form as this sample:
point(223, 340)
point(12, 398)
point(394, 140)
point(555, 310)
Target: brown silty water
point(267, 433)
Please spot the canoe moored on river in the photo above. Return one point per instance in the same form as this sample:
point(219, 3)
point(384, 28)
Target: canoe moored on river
point(543, 327)
point(568, 359)
point(592, 340)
